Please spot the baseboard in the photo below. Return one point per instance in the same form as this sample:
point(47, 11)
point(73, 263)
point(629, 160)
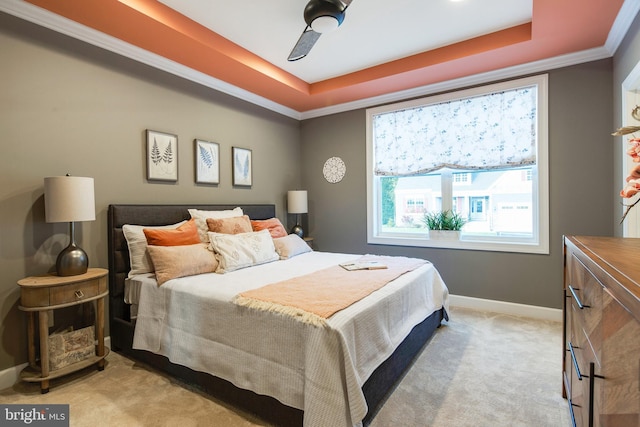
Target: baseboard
point(514, 309)
point(10, 376)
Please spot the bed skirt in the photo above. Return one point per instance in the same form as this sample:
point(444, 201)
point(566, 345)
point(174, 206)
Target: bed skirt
point(376, 389)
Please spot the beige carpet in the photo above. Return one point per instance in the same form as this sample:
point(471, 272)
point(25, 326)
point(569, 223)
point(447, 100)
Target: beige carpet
point(480, 369)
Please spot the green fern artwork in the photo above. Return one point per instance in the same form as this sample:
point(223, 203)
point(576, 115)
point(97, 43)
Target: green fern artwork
point(162, 162)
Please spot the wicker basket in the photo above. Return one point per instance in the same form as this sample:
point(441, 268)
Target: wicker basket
point(68, 347)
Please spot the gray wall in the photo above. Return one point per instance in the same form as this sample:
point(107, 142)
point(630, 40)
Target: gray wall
point(69, 107)
point(581, 164)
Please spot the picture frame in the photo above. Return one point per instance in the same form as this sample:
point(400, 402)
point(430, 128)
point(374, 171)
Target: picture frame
point(207, 156)
point(162, 156)
point(242, 165)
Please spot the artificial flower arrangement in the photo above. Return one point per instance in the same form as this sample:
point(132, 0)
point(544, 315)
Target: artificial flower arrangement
point(632, 186)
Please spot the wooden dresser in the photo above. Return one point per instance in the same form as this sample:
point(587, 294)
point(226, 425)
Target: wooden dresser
point(601, 361)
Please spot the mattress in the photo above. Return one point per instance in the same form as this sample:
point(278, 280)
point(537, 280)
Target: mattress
point(321, 370)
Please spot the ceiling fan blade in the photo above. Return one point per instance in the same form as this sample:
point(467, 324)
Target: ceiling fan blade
point(304, 44)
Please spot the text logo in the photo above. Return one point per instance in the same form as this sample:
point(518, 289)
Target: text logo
point(34, 415)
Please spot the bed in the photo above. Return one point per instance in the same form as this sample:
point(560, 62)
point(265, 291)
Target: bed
point(338, 378)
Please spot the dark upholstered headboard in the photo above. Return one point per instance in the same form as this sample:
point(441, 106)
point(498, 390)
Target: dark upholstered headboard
point(121, 328)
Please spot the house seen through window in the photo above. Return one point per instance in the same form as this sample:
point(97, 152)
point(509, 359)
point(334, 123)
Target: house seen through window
point(481, 153)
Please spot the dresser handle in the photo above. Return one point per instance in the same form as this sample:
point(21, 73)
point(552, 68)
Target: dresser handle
point(575, 297)
point(575, 361)
point(79, 294)
point(573, 416)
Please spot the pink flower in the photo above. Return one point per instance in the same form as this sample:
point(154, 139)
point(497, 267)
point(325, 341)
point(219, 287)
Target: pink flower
point(634, 174)
point(631, 189)
point(634, 149)
point(633, 180)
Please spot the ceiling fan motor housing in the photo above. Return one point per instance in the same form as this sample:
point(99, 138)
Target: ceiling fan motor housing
point(324, 15)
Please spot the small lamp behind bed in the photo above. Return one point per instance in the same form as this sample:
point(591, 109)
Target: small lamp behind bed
point(297, 204)
point(69, 199)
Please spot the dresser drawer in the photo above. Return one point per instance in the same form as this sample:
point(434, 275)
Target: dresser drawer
point(585, 386)
point(621, 406)
point(586, 299)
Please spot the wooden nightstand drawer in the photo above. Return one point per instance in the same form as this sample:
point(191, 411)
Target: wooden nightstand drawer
point(51, 291)
point(73, 293)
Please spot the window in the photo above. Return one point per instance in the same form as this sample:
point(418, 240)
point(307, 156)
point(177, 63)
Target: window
point(480, 152)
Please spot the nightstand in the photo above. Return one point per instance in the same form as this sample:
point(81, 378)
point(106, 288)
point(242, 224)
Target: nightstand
point(39, 294)
point(309, 241)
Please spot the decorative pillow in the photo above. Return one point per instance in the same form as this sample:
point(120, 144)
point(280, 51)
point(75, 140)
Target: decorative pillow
point(237, 225)
point(201, 219)
point(236, 251)
point(274, 226)
point(186, 234)
point(290, 246)
point(171, 262)
point(136, 240)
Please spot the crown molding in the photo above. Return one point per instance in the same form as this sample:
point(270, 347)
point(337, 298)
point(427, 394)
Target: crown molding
point(626, 15)
point(42, 17)
point(476, 79)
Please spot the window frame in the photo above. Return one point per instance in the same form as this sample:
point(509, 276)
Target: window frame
point(540, 178)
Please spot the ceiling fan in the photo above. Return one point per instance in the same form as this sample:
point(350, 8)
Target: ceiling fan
point(321, 16)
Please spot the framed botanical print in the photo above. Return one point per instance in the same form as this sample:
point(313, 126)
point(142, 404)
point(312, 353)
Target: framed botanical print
point(242, 167)
point(207, 156)
point(162, 156)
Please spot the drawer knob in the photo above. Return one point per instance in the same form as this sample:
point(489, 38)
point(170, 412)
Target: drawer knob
point(79, 294)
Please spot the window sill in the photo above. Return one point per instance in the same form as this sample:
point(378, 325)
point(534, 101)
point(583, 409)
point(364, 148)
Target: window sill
point(461, 244)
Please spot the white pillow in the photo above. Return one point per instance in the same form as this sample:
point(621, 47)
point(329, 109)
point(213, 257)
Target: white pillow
point(201, 219)
point(236, 251)
point(139, 259)
point(290, 246)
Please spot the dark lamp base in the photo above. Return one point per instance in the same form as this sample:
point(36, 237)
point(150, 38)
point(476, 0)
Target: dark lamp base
point(72, 261)
point(297, 229)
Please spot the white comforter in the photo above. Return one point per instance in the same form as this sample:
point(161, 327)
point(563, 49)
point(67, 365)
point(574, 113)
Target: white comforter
point(193, 322)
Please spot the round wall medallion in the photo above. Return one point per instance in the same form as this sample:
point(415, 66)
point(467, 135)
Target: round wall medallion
point(334, 170)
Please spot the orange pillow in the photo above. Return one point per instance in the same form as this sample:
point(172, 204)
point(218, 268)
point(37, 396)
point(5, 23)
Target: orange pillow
point(275, 227)
point(235, 225)
point(186, 234)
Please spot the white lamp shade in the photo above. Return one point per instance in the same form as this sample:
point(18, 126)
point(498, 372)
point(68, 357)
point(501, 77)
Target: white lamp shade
point(297, 201)
point(69, 199)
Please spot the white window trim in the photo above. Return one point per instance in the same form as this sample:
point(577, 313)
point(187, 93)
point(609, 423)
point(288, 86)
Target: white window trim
point(629, 96)
point(541, 216)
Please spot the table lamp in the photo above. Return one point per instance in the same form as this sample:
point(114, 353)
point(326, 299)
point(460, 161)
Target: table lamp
point(70, 199)
point(297, 204)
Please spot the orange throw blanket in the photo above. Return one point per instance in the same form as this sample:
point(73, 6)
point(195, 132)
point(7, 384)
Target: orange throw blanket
point(314, 297)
